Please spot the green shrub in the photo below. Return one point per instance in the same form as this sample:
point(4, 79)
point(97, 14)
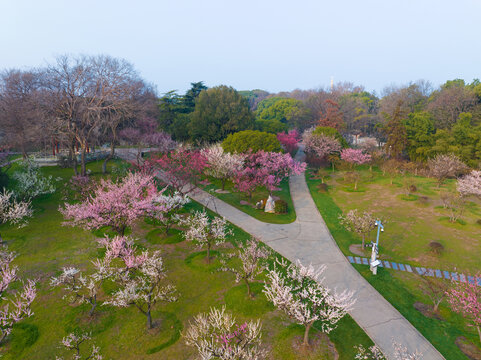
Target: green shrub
point(254, 140)
point(271, 126)
point(280, 207)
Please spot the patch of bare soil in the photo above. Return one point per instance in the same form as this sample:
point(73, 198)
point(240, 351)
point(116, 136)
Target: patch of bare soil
point(357, 249)
point(468, 348)
point(427, 311)
point(320, 347)
point(220, 191)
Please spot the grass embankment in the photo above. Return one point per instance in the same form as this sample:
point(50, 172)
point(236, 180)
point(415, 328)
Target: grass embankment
point(407, 233)
point(44, 246)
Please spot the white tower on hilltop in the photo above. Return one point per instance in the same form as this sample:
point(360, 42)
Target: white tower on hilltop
point(332, 83)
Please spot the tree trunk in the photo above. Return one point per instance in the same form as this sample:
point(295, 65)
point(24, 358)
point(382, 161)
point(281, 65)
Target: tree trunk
point(306, 334)
point(249, 292)
point(355, 185)
point(223, 184)
point(149, 319)
point(363, 243)
point(435, 307)
point(208, 253)
point(94, 306)
point(83, 170)
point(110, 156)
point(479, 332)
point(73, 157)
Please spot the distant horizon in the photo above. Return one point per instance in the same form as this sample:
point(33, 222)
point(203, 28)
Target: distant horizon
point(270, 45)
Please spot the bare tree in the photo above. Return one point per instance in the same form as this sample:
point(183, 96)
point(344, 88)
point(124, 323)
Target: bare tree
point(434, 288)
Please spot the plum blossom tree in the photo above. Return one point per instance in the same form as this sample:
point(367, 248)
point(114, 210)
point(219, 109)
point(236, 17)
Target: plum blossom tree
point(465, 299)
point(444, 166)
point(222, 165)
point(18, 305)
point(73, 341)
point(216, 335)
point(251, 256)
point(13, 211)
point(116, 205)
point(298, 291)
point(78, 287)
point(360, 223)
point(205, 232)
point(320, 145)
point(140, 277)
point(374, 353)
point(289, 141)
point(168, 208)
point(355, 156)
point(470, 185)
point(30, 182)
point(181, 169)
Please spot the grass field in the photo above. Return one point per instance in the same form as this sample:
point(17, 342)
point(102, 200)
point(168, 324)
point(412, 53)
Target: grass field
point(410, 227)
point(234, 198)
point(44, 246)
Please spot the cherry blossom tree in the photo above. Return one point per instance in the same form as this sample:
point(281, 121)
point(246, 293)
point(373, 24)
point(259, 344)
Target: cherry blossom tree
point(78, 287)
point(289, 141)
point(360, 223)
point(320, 145)
point(445, 166)
point(222, 165)
point(17, 306)
point(140, 277)
point(182, 169)
point(205, 232)
point(13, 211)
point(355, 157)
point(168, 207)
point(299, 292)
point(73, 341)
point(470, 185)
point(216, 335)
point(465, 299)
point(116, 205)
point(251, 256)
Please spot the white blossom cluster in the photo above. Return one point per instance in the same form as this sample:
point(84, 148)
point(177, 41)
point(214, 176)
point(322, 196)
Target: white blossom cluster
point(374, 353)
point(299, 292)
point(73, 341)
point(222, 165)
point(30, 183)
point(204, 231)
point(12, 210)
point(216, 335)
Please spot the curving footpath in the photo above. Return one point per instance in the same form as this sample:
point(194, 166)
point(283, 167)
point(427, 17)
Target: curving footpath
point(308, 240)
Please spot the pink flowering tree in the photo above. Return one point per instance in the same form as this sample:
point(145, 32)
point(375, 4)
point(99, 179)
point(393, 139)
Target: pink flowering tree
point(13, 211)
point(355, 157)
point(470, 185)
point(206, 232)
point(16, 305)
point(167, 208)
point(298, 291)
point(140, 277)
point(116, 205)
point(465, 299)
point(252, 256)
point(320, 145)
point(216, 335)
point(222, 165)
point(444, 166)
point(289, 141)
point(182, 169)
point(73, 342)
point(78, 288)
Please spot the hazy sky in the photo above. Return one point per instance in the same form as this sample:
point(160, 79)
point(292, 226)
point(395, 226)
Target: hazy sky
point(272, 45)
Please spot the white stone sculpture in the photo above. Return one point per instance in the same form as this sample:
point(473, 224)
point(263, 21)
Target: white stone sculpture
point(270, 205)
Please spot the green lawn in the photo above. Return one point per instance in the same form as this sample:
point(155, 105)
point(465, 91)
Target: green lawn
point(44, 246)
point(411, 225)
point(234, 198)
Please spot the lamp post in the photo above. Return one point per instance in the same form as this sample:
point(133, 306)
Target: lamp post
point(374, 263)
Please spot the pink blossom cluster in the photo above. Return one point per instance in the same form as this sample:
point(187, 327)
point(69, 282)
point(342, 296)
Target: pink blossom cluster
point(289, 141)
point(266, 169)
point(116, 205)
point(355, 156)
point(319, 144)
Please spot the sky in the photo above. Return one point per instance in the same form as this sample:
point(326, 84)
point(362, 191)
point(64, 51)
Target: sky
point(273, 45)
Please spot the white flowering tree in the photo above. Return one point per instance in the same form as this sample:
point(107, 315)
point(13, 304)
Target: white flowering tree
point(252, 258)
point(13, 211)
point(222, 165)
point(374, 353)
point(206, 232)
point(360, 223)
point(30, 182)
point(470, 185)
point(140, 277)
point(15, 307)
point(78, 287)
point(73, 342)
point(169, 206)
point(216, 335)
point(298, 290)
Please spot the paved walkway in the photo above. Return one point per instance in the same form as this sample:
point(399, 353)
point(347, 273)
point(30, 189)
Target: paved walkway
point(309, 240)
